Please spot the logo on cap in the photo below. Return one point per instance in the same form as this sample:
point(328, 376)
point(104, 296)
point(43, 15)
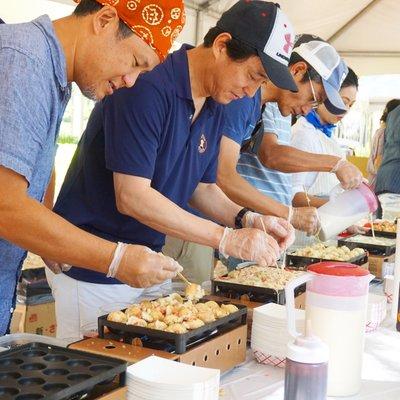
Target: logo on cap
point(289, 44)
point(280, 43)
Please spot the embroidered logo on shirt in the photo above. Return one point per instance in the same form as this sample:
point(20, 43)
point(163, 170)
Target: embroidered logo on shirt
point(203, 144)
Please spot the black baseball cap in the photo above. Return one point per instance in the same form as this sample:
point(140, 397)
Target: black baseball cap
point(263, 26)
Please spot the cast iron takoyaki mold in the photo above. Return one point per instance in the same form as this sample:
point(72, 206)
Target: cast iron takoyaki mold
point(37, 371)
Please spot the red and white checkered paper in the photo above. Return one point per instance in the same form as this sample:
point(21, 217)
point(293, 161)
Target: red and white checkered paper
point(268, 359)
point(376, 315)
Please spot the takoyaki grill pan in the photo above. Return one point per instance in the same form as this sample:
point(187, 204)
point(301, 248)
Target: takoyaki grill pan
point(38, 371)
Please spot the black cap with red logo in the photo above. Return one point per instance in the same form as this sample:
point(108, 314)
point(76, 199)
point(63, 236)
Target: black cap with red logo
point(264, 27)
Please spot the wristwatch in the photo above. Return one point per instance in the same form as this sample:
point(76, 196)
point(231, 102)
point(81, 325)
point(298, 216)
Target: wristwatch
point(239, 217)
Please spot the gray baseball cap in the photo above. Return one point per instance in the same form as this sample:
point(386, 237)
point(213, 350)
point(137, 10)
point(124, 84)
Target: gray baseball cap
point(330, 66)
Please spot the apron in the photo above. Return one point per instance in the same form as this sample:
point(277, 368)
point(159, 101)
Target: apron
point(322, 185)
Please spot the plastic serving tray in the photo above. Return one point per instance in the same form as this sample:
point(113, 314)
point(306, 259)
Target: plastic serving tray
point(178, 343)
point(391, 235)
point(39, 371)
point(223, 287)
point(302, 262)
point(376, 249)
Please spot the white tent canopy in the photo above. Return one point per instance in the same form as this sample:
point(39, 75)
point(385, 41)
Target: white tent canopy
point(365, 32)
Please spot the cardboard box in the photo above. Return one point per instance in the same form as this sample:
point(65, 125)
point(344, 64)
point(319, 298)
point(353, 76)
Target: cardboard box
point(376, 264)
point(224, 352)
point(39, 319)
point(123, 351)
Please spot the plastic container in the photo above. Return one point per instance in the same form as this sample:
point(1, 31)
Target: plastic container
point(344, 209)
point(306, 371)
point(390, 204)
point(336, 305)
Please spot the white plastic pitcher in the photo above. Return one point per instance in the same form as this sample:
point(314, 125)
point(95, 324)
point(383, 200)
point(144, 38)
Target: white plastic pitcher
point(345, 208)
point(336, 305)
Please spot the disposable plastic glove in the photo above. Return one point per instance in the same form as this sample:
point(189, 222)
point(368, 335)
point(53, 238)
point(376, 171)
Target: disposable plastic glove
point(280, 229)
point(56, 267)
point(349, 175)
point(357, 230)
point(142, 267)
point(249, 244)
point(305, 219)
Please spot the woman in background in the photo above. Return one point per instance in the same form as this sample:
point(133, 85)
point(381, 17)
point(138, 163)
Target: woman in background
point(375, 158)
point(388, 176)
point(313, 133)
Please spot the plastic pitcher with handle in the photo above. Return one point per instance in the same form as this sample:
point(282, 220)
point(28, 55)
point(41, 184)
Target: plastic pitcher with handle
point(336, 305)
point(345, 208)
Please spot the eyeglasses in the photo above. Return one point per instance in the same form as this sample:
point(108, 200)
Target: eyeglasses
point(315, 103)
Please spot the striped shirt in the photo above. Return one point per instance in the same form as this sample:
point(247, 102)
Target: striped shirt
point(272, 183)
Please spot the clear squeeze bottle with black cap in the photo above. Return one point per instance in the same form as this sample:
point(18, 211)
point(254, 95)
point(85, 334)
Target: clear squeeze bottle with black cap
point(306, 371)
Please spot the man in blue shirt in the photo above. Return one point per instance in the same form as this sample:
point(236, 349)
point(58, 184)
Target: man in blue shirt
point(244, 176)
point(151, 151)
point(39, 60)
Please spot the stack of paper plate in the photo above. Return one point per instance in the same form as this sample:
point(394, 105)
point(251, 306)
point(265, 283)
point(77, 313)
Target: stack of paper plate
point(269, 334)
point(161, 379)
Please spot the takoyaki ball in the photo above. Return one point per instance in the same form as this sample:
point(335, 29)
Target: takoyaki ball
point(206, 316)
point(201, 307)
point(176, 328)
point(136, 321)
point(146, 304)
point(220, 313)
point(133, 310)
point(193, 324)
point(176, 297)
point(172, 319)
point(186, 313)
point(156, 314)
point(159, 325)
point(117, 316)
point(147, 316)
point(231, 308)
point(211, 304)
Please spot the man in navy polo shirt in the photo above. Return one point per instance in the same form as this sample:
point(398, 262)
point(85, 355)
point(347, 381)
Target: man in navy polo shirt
point(151, 151)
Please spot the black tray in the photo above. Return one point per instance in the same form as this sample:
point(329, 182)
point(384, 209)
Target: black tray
point(252, 293)
point(302, 262)
point(376, 249)
point(39, 371)
point(391, 235)
point(173, 342)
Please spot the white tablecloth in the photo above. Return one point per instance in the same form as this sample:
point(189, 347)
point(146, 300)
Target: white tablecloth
point(380, 376)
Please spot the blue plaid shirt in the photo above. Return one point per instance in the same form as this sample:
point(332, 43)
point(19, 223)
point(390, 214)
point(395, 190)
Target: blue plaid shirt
point(33, 95)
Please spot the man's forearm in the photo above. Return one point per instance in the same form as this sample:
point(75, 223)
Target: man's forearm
point(212, 201)
point(290, 159)
point(153, 209)
point(300, 200)
point(246, 195)
point(30, 225)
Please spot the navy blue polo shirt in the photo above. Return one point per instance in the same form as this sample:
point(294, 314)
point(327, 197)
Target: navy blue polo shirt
point(143, 131)
point(241, 117)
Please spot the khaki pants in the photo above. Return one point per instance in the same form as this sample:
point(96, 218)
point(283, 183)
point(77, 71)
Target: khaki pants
point(197, 260)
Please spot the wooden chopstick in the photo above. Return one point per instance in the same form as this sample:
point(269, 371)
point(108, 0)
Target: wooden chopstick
point(184, 279)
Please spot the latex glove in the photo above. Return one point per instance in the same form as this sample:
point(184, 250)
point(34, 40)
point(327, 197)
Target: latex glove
point(357, 229)
point(349, 175)
point(249, 244)
point(305, 219)
point(142, 267)
point(56, 267)
point(280, 229)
